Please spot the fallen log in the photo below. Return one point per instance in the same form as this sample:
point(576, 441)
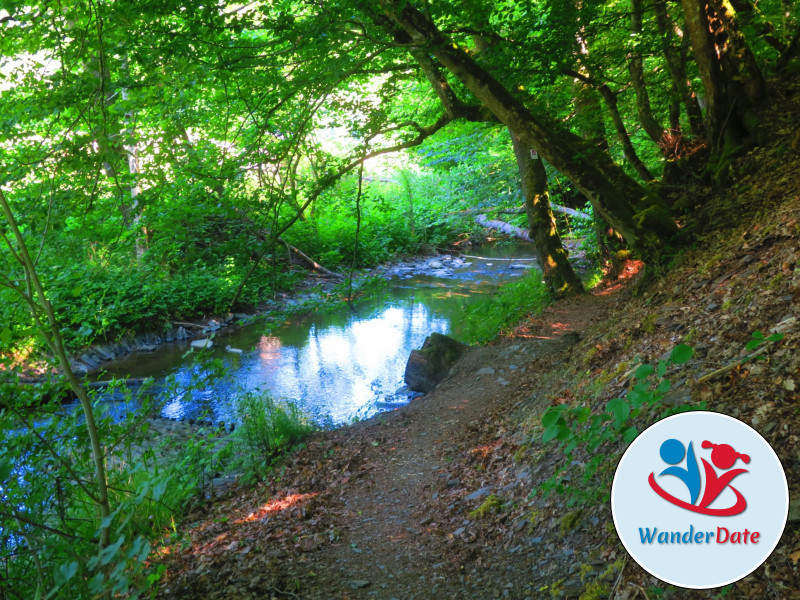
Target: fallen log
point(507, 228)
point(555, 208)
point(520, 210)
point(310, 261)
point(497, 259)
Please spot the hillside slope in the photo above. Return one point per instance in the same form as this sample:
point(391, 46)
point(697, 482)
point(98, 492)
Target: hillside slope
point(456, 495)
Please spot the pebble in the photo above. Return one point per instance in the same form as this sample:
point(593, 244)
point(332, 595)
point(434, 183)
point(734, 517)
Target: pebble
point(358, 584)
point(485, 371)
point(484, 491)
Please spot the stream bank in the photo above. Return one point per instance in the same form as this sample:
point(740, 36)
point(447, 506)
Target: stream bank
point(457, 496)
point(335, 365)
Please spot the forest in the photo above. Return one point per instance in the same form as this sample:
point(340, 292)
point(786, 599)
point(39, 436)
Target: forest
point(167, 164)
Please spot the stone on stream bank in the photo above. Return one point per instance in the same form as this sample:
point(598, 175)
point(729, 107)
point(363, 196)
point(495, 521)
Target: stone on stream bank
point(91, 359)
point(429, 365)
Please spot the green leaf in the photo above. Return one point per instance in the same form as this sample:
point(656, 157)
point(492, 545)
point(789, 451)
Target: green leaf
point(564, 433)
point(752, 344)
point(5, 336)
point(662, 368)
point(757, 335)
point(681, 354)
point(775, 337)
point(550, 433)
point(552, 415)
point(664, 386)
point(66, 572)
point(630, 434)
point(637, 398)
point(643, 371)
point(582, 414)
point(108, 553)
point(620, 409)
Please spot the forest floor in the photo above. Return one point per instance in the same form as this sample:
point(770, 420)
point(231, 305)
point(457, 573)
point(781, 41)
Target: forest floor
point(446, 497)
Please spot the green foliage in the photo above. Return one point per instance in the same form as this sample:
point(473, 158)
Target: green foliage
point(757, 339)
point(267, 429)
point(516, 300)
point(579, 428)
point(48, 521)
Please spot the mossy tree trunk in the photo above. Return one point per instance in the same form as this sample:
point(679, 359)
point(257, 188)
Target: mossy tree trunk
point(641, 216)
point(556, 268)
point(732, 81)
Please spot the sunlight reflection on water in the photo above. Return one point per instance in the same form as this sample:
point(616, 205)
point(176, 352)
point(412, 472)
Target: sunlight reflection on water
point(336, 367)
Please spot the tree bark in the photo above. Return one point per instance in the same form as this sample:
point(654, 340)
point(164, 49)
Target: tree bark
point(557, 271)
point(636, 70)
point(718, 103)
point(556, 268)
point(518, 232)
point(738, 54)
point(133, 212)
point(628, 150)
point(642, 217)
point(724, 60)
point(676, 64)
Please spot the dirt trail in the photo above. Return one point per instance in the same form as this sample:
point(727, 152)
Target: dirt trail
point(384, 509)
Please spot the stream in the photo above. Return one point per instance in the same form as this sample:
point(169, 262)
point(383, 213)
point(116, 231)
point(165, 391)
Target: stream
point(337, 367)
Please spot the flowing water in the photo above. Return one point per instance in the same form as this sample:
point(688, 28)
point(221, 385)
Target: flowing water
point(335, 366)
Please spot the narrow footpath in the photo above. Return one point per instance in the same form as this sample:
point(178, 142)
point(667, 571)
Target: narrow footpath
point(403, 505)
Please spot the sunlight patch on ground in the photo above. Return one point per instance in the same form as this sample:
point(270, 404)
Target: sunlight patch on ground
point(278, 505)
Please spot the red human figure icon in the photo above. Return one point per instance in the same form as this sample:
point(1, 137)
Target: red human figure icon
point(724, 457)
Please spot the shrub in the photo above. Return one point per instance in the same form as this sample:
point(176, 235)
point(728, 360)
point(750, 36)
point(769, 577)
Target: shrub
point(515, 300)
point(266, 430)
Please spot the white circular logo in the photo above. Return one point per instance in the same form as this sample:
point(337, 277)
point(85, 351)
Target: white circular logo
point(699, 500)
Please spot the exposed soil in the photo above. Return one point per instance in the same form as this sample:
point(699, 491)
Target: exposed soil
point(446, 497)
point(380, 509)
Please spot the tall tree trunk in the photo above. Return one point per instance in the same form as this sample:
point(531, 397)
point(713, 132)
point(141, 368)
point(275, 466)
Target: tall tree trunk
point(410, 197)
point(628, 150)
point(642, 217)
point(133, 212)
point(725, 63)
point(676, 64)
point(719, 106)
point(557, 271)
point(636, 70)
point(556, 268)
point(741, 59)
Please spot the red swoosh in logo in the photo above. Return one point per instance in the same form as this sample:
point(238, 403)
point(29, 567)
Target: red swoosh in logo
point(737, 508)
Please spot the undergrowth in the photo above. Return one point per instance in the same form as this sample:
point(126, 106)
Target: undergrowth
point(515, 301)
point(266, 430)
point(582, 433)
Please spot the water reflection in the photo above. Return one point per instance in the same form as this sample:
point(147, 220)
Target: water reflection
point(334, 366)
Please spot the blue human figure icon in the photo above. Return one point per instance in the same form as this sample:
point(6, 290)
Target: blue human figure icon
point(672, 452)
